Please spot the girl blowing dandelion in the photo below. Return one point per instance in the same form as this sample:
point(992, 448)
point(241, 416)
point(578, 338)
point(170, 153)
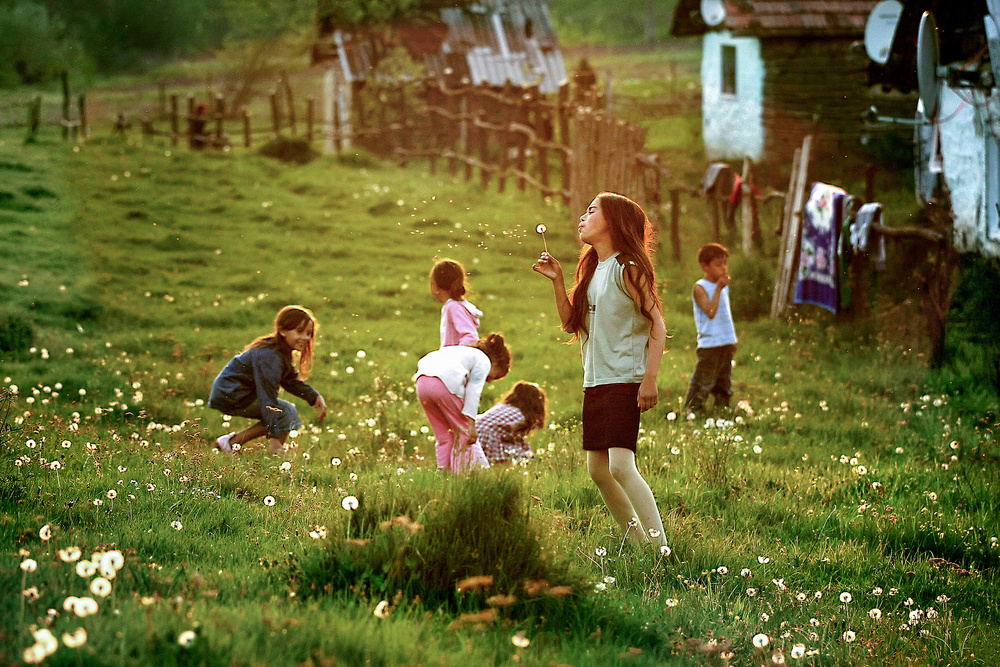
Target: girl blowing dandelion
point(248, 385)
point(615, 311)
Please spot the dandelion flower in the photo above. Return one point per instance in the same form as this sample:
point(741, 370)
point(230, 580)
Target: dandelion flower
point(335, 461)
point(751, 592)
point(849, 636)
point(46, 641)
point(745, 572)
point(286, 465)
point(654, 533)
point(69, 603)
point(763, 560)
point(113, 559)
point(45, 533)
point(186, 638)
point(671, 602)
point(269, 501)
point(78, 638)
point(761, 640)
point(29, 565)
point(665, 550)
point(381, 609)
point(798, 651)
point(176, 525)
point(601, 552)
point(875, 613)
point(877, 590)
point(100, 587)
point(112, 494)
point(723, 570)
point(846, 597)
point(520, 640)
point(31, 593)
point(85, 607)
point(350, 503)
point(801, 597)
point(70, 554)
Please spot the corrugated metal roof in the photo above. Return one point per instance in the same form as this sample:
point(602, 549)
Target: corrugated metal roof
point(779, 18)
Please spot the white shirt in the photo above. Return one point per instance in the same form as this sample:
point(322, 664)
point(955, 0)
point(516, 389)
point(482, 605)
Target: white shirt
point(462, 369)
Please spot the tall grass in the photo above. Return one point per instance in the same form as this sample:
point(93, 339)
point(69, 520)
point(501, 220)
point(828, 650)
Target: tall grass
point(842, 484)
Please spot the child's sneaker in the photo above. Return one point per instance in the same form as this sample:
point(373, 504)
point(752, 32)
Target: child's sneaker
point(222, 443)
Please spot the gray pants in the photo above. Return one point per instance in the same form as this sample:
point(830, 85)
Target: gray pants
point(712, 375)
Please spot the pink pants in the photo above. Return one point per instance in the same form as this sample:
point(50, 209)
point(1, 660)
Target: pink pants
point(444, 412)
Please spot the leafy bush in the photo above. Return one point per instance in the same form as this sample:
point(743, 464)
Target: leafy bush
point(296, 151)
point(414, 542)
point(750, 297)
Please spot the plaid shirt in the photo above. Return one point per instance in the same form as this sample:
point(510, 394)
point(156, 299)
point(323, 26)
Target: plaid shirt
point(496, 431)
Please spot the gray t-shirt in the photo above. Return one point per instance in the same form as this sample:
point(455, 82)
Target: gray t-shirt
point(616, 349)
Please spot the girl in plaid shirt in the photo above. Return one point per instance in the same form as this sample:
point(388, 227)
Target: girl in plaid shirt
point(502, 429)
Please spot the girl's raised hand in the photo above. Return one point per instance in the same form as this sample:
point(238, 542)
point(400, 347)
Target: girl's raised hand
point(548, 266)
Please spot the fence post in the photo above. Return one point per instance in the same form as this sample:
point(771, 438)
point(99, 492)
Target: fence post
point(65, 105)
point(34, 117)
point(540, 147)
point(675, 222)
point(246, 127)
point(291, 103)
point(174, 120)
point(310, 113)
point(746, 207)
point(190, 101)
point(84, 126)
point(275, 114)
point(220, 112)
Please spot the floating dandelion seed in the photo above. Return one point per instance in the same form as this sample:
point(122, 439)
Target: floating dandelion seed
point(100, 587)
point(78, 638)
point(186, 638)
point(761, 640)
point(520, 640)
point(269, 501)
point(350, 503)
point(381, 609)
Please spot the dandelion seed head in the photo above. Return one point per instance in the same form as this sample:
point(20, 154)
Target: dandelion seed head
point(269, 501)
point(761, 640)
point(350, 503)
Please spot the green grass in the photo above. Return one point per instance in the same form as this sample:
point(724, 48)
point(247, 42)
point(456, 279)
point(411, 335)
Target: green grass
point(141, 269)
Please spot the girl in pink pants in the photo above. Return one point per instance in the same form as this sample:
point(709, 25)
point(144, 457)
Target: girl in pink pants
point(449, 383)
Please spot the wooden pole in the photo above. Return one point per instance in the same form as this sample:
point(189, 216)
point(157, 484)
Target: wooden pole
point(246, 128)
point(34, 118)
point(65, 105)
point(310, 115)
point(175, 128)
point(275, 114)
point(746, 206)
point(675, 222)
point(291, 103)
point(220, 112)
point(788, 257)
point(84, 125)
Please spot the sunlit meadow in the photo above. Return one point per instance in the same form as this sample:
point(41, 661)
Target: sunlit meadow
point(843, 512)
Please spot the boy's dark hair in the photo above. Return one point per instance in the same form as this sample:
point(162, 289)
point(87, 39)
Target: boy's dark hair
point(710, 251)
point(498, 351)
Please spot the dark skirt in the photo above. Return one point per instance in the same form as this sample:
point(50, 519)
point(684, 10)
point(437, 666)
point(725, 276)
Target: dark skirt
point(611, 416)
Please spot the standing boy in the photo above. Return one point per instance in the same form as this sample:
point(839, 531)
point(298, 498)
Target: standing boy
point(716, 333)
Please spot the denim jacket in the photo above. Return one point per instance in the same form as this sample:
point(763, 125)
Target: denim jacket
point(256, 374)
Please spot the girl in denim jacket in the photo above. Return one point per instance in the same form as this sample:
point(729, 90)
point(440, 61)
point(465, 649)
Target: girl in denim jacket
point(248, 385)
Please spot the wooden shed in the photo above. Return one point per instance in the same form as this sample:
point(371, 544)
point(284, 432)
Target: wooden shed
point(775, 70)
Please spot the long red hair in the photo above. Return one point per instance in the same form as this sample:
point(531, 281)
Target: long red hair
point(631, 236)
point(291, 318)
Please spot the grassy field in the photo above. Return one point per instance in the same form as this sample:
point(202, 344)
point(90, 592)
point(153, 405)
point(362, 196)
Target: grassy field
point(844, 513)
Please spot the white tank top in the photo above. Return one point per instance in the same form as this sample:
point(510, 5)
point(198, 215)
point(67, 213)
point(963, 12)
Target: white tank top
point(719, 330)
point(616, 349)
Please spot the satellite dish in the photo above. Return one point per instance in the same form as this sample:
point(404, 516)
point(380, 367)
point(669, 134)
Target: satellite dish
point(880, 29)
point(993, 41)
point(713, 12)
point(928, 55)
point(926, 163)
